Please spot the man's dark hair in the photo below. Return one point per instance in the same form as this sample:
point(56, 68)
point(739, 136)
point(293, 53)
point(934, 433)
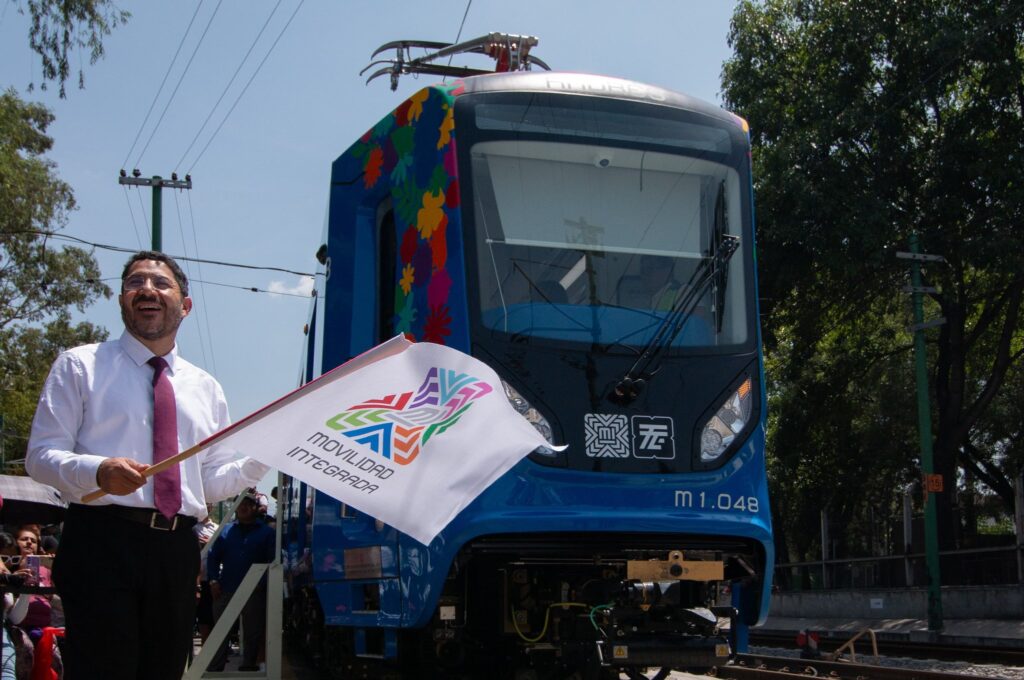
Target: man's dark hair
point(179, 275)
point(11, 581)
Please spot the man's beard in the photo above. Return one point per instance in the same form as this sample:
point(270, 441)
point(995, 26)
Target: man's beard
point(169, 325)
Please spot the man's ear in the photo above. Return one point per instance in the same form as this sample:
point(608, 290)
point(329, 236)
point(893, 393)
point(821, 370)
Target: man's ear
point(186, 307)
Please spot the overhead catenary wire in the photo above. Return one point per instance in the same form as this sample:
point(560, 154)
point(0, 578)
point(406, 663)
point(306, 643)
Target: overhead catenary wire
point(458, 35)
point(228, 86)
point(252, 289)
point(247, 84)
point(199, 268)
point(121, 249)
point(162, 82)
point(188, 273)
point(181, 79)
point(135, 226)
point(142, 206)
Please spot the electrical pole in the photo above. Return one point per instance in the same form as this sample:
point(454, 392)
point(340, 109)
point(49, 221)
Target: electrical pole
point(157, 183)
point(933, 483)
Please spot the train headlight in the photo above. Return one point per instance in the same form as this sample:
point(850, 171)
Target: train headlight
point(526, 410)
point(723, 428)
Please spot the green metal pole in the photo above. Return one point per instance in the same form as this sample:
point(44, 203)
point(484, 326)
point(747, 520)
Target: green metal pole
point(924, 426)
point(158, 210)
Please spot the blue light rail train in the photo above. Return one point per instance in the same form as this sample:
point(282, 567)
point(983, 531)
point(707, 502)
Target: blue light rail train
point(591, 239)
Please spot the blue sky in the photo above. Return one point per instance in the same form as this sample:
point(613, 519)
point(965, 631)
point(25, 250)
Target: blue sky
point(260, 188)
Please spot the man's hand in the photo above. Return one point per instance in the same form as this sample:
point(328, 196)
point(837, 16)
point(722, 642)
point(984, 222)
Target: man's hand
point(120, 476)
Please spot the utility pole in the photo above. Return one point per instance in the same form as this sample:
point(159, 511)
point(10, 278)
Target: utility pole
point(933, 483)
point(157, 183)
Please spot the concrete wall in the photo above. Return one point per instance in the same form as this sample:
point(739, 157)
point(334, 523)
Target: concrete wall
point(976, 602)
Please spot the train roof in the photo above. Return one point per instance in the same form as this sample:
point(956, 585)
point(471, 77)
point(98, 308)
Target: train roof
point(591, 85)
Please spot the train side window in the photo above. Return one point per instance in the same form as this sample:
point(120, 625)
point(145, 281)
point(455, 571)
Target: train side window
point(387, 257)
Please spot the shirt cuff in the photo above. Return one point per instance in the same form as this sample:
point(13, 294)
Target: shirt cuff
point(85, 468)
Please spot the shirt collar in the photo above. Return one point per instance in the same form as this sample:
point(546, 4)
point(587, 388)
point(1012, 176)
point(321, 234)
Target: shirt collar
point(140, 354)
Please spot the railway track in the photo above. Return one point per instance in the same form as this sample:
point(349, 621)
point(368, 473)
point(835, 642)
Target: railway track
point(913, 650)
point(761, 667)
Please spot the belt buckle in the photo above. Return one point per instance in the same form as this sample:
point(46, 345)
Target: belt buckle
point(156, 516)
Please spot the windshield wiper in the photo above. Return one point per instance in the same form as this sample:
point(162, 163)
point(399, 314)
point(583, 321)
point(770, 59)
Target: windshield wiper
point(630, 385)
point(713, 268)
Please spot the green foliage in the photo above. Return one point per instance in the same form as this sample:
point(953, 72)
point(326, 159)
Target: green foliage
point(59, 26)
point(36, 280)
point(871, 121)
point(39, 284)
point(24, 363)
point(1003, 527)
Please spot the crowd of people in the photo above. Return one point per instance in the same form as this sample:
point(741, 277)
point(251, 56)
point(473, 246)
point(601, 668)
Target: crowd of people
point(30, 606)
point(249, 539)
point(25, 557)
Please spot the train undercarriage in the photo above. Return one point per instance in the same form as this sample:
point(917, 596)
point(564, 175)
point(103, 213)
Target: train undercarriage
point(529, 608)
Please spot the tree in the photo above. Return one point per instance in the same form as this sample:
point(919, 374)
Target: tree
point(62, 25)
point(25, 362)
point(871, 121)
point(39, 284)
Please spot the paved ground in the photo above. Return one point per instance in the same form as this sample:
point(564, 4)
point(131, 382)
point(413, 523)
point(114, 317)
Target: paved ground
point(292, 666)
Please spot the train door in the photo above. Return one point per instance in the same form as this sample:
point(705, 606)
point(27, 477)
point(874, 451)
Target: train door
point(355, 556)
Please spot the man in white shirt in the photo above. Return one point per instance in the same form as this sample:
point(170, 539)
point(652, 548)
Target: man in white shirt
point(125, 571)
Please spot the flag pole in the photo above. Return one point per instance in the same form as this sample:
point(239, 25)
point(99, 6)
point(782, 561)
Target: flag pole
point(395, 345)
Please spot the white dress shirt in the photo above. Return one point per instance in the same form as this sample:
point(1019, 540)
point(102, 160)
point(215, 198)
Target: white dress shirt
point(97, 403)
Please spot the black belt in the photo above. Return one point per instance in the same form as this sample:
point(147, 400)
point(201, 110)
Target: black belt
point(151, 518)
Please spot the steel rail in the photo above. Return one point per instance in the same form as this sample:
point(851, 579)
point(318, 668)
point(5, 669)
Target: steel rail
point(747, 666)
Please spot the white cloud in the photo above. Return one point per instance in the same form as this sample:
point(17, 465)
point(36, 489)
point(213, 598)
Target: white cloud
point(304, 287)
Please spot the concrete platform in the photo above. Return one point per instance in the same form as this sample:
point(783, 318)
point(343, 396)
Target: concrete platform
point(984, 616)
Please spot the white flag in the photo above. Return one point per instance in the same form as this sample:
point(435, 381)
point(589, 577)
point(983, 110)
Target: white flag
point(409, 433)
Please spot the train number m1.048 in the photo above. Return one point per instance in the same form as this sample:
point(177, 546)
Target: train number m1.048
point(721, 501)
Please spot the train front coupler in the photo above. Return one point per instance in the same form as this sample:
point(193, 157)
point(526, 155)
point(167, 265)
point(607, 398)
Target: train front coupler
point(649, 624)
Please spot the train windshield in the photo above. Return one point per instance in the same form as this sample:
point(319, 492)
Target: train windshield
point(602, 226)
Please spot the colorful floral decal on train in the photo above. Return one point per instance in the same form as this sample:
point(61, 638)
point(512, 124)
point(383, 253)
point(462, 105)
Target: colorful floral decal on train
point(412, 151)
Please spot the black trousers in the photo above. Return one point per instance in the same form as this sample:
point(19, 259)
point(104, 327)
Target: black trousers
point(129, 595)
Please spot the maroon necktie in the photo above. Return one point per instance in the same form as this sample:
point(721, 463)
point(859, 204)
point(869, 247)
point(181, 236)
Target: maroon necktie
point(166, 484)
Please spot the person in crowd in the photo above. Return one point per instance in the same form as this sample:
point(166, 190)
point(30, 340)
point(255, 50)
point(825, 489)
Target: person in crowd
point(7, 546)
point(107, 412)
point(32, 613)
point(50, 539)
point(18, 648)
point(48, 545)
point(241, 544)
point(8, 654)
